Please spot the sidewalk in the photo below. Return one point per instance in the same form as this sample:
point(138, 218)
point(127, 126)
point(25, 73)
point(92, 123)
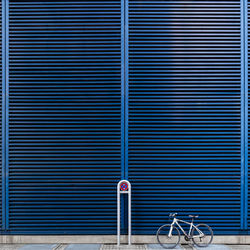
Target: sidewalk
point(114, 247)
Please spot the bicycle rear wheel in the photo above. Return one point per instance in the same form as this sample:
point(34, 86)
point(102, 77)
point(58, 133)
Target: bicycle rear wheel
point(163, 236)
point(203, 237)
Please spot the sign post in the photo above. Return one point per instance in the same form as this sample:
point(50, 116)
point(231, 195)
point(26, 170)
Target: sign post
point(123, 187)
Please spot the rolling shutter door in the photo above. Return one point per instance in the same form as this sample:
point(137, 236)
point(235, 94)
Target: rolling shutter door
point(184, 112)
point(64, 116)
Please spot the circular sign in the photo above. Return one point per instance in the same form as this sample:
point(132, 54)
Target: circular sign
point(124, 186)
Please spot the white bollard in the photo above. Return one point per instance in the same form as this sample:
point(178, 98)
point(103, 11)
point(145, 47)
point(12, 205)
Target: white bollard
point(123, 187)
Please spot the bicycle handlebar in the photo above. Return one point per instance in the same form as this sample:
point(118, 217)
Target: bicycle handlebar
point(173, 214)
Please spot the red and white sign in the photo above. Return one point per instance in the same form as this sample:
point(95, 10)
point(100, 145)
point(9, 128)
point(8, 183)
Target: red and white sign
point(124, 186)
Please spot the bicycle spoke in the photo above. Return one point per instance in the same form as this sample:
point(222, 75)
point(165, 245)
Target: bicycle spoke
point(202, 236)
point(165, 239)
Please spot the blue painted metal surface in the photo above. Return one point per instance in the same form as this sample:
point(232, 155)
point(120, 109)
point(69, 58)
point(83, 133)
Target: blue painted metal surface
point(123, 105)
point(126, 120)
point(151, 91)
point(5, 113)
point(65, 119)
point(244, 114)
point(123, 84)
point(185, 112)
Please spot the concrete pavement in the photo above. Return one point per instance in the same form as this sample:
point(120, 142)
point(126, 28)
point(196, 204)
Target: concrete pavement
point(114, 247)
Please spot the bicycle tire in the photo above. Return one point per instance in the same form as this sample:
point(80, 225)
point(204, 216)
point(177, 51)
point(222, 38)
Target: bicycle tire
point(160, 237)
point(208, 230)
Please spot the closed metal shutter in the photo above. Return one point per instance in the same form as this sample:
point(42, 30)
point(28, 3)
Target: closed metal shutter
point(67, 114)
point(184, 112)
point(65, 126)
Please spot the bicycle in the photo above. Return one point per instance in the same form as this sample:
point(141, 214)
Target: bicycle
point(168, 235)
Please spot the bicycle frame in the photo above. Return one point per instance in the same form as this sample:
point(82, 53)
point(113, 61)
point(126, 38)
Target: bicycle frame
point(175, 221)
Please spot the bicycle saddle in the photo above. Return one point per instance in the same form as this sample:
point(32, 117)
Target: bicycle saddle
point(193, 216)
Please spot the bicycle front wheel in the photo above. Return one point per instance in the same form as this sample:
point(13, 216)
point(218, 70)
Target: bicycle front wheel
point(166, 238)
point(202, 235)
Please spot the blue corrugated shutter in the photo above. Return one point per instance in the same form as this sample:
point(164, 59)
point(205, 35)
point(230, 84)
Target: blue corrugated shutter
point(65, 113)
point(65, 134)
point(184, 120)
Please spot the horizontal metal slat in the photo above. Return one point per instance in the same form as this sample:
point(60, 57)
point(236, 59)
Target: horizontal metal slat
point(179, 69)
point(68, 115)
